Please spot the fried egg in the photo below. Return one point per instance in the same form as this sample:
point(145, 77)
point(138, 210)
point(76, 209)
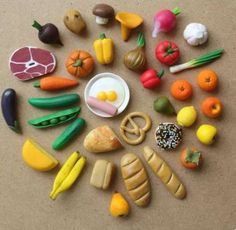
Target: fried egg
point(109, 89)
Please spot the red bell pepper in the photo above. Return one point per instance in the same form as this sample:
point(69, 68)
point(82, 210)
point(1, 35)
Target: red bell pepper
point(151, 79)
point(167, 52)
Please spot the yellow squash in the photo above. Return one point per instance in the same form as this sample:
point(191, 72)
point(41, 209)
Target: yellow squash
point(103, 48)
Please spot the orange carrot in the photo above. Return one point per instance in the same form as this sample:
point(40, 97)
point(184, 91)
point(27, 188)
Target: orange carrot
point(55, 83)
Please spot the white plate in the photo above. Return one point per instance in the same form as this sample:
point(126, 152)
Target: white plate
point(108, 81)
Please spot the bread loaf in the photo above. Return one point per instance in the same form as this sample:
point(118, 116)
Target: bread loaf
point(136, 179)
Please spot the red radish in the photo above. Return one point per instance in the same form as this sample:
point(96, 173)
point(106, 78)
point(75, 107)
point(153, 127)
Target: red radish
point(164, 21)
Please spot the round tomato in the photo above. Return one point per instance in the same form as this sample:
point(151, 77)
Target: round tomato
point(167, 52)
point(190, 158)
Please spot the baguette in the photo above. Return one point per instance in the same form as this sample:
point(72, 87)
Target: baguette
point(164, 172)
point(136, 179)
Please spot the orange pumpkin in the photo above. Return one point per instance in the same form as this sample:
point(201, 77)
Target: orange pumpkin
point(79, 63)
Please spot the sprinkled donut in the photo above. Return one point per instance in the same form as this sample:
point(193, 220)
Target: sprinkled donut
point(168, 135)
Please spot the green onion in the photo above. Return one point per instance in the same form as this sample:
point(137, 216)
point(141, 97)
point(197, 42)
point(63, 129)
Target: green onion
point(204, 59)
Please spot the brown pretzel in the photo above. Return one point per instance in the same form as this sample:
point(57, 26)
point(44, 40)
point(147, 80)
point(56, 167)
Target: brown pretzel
point(140, 132)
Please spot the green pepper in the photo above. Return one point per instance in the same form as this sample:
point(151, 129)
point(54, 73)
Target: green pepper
point(70, 131)
point(54, 119)
point(54, 102)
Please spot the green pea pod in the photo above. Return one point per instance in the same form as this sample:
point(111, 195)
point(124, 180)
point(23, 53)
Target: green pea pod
point(54, 119)
point(54, 102)
point(70, 131)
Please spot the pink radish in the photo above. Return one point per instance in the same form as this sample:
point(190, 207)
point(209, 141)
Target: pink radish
point(164, 21)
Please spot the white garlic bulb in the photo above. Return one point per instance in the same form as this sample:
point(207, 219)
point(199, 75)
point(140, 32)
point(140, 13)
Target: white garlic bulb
point(195, 34)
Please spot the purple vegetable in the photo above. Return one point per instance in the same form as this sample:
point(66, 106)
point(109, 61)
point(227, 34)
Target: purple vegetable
point(8, 104)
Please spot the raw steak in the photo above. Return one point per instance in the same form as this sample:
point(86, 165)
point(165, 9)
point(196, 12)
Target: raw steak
point(30, 62)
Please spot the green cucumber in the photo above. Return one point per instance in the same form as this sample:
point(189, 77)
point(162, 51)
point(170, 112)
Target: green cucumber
point(56, 118)
point(70, 131)
point(54, 102)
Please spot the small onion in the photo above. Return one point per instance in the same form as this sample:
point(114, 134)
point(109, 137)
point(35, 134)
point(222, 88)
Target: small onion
point(135, 59)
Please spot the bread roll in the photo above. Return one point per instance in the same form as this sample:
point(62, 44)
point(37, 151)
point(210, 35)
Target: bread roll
point(164, 172)
point(136, 179)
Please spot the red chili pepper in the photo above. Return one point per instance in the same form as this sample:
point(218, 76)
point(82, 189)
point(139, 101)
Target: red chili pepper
point(151, 79)
point(167, 52)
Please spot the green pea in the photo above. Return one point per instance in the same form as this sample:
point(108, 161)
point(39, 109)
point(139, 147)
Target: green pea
point(63, 118)
point(44, 123)
point(54, 121)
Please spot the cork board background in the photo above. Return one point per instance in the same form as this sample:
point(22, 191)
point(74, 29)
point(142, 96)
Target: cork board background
point(24, 193)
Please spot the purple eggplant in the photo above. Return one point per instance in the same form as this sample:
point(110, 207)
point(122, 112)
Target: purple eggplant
point(8, 104)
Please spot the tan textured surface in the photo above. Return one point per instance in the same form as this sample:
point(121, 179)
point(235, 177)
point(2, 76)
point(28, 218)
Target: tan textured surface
point(24, 193)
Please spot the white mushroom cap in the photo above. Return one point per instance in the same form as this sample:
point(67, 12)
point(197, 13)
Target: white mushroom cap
point(195, 34)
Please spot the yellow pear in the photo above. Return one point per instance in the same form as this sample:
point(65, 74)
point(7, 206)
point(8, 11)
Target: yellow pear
point(119, 207)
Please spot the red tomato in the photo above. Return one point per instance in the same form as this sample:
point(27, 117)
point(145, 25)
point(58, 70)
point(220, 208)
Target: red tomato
point(151, 79)
point(190, 158)
point(167, 52)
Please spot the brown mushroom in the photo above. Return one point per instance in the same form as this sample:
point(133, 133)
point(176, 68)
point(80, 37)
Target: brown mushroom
point(103, 13)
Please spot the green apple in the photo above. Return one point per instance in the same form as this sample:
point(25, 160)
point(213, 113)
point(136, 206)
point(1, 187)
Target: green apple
point(206, 134)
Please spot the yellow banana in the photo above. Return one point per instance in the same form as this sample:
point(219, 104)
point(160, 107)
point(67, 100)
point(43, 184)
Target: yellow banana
point(64, 171)
point(70, 178)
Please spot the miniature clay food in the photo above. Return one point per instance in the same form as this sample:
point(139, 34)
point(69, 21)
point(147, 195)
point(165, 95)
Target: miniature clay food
point(165, 173)
point(102, 174)
point(212, 107)
point(135, 59)
point(119, 207)
point(29, 62)
point(136, 179)
point(9, 109)
point(168, 135)
point(54, 102)
point(136, 130)
point(163, 105)
point(102, 106)
point(74, 21)
point(201, 60)
point(69, 133)
point(109, 95)
point(101, 139)
point(79, 63)
point(103, 48)
point(207, 80)
point(206, 134)
point(167, 52)
point(55, 83)
point(181, 89)
point(55, 118)
point(150, 78)
point(36, 157)
point(48, 33)
point(165, 21)
point(128, 21)
point(187, 116)
point(103, 13)
point(195, 34)
point(191, 158)
point(68, 174)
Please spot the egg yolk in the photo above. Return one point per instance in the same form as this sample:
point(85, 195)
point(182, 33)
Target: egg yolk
point(101, 96)
point(111, 95)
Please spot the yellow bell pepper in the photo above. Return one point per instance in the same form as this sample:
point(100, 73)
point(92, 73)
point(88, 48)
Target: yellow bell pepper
point(103, 48)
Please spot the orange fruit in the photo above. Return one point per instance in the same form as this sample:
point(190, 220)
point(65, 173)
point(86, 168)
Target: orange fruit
point(207, 80)
point(212, 107)
point(181, 90)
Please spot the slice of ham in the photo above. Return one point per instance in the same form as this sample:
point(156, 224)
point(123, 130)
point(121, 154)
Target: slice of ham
point(31, 62)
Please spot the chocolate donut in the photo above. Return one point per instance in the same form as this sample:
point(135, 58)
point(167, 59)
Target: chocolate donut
point(168, 135)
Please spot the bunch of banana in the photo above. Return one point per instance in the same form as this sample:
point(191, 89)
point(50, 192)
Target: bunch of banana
point(68, 174)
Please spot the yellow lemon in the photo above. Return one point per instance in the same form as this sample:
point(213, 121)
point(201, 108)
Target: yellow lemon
point(101, 96)
point(111, 95)
point(187, 116)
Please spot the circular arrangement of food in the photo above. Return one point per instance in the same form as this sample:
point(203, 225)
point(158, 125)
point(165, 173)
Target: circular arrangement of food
point(107, 95)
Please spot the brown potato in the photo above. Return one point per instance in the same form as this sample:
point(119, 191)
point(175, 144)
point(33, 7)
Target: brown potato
point(74, 21)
